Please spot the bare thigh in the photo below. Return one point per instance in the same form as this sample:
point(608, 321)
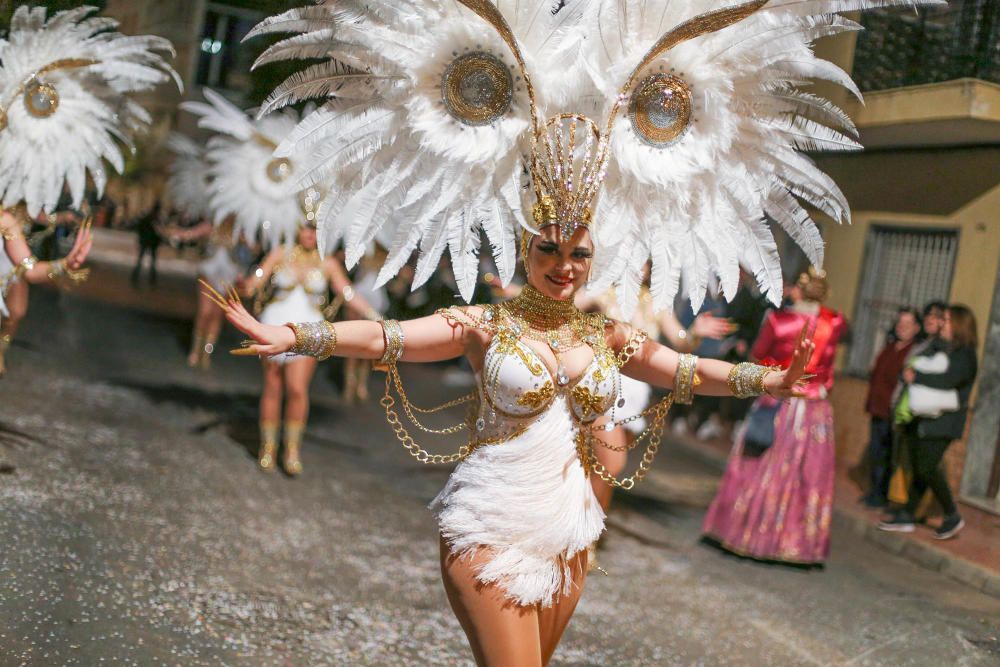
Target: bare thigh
point(501, 634)
point(552, 621)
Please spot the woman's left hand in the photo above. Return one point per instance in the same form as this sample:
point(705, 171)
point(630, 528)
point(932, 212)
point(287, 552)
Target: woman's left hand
point(909, 376)
point(788, 383)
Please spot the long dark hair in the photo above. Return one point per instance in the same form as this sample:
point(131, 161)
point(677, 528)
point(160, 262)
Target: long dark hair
point(963, 327)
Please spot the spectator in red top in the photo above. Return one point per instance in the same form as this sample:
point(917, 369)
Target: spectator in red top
point(881, 385)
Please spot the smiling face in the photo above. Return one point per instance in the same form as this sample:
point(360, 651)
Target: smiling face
point(558, 268)
point(307, 237)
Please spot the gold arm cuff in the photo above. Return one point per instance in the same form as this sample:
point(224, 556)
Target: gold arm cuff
point(314, 339)
point(746, 380)
point(394, 343)
point(686, 379)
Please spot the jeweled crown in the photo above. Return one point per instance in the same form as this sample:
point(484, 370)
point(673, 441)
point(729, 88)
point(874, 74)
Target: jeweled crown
point(568, 164)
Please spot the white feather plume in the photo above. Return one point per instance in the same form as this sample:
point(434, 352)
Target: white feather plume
point(93, 68)
point(740, 160)
point(242, 169)
point(190, 177)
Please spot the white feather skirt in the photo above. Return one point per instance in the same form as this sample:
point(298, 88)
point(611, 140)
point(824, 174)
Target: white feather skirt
point(527, 504)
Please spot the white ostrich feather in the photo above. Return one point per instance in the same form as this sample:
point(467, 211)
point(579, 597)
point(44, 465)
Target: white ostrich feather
point(241, 167)
point(402, 168)
point(93, 69)
point(190, 177)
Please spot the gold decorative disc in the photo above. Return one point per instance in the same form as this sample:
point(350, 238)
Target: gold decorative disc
point(661, 110)
point(477, 88)
point(41, 99)
point(279, 169)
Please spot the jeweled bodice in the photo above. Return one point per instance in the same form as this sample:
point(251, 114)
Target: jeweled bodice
point(515, 384)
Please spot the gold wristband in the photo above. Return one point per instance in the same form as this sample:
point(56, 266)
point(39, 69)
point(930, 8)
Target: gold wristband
point(394, 340)
point(686, 379)
point(314, 339)
point(746, 380)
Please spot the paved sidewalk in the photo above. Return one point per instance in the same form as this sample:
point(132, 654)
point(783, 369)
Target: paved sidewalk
point(972, 558)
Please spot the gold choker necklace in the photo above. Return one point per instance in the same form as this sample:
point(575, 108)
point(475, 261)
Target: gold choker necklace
point(559, 324)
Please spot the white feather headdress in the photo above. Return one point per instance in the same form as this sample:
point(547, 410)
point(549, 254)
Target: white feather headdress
point(435, 111)
point(64, 101)
point(247, 180)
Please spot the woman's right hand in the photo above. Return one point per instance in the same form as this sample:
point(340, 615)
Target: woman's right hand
point(270, 340)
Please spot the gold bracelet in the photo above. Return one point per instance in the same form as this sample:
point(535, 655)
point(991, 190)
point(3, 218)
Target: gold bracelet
point(314, 339)
point(746, 380)
point(686, 379)
point(57, 269)
point(27, 264)
point(394, 341)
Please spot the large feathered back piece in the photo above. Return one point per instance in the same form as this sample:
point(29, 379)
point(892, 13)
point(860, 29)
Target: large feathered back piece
point(671, 128)
point(246, 180)
point(65, 84)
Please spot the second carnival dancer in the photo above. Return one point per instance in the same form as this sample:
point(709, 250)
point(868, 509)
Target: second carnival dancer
point(431, 118)
point(248, 196)
point(65, 87)
point(292, 284)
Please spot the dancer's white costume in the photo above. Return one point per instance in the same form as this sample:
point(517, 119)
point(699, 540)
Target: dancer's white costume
point(434, 110)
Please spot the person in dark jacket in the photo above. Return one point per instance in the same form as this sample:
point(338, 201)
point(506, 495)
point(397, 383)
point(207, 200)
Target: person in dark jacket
point(929, 438)
point(149, 242)
point(881, 386)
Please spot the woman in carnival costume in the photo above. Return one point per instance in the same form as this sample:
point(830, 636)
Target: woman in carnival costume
point(249, 186)
point(65, 87)
point(433, 113)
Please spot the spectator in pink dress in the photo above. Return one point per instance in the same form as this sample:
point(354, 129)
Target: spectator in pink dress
point(776, 505)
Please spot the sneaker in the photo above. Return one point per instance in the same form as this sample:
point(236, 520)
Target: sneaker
point(949, 527)
point(901, 522)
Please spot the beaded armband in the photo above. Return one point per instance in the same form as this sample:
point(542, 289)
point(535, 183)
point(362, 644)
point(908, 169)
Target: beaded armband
point(314, 339)
point(394, 342)
point(747, 380)
point(686, 379)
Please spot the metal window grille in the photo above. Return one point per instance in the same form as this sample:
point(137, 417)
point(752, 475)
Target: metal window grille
point(902, 268)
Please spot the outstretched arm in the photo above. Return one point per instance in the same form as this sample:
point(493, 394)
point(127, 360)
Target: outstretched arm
point(658, 365)
point(432, 338)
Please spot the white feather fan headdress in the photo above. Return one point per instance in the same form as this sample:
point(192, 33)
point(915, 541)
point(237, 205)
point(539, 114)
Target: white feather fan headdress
point(683, 138)
point(64, 87)
point(247, 180)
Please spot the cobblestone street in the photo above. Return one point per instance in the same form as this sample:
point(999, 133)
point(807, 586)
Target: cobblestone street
point(136, 529)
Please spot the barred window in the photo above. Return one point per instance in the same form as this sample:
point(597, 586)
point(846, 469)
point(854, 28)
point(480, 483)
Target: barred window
point(903, 268)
